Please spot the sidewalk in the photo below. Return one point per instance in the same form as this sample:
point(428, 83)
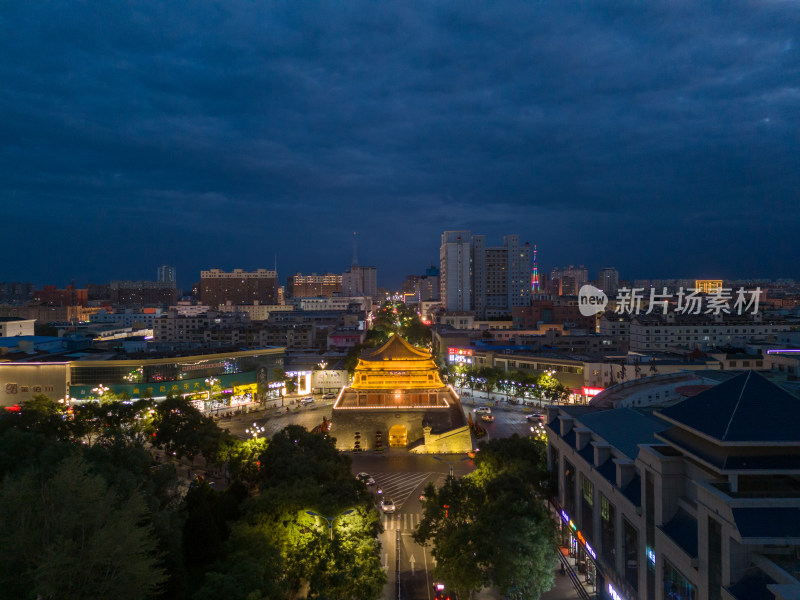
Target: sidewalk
point(562, 590)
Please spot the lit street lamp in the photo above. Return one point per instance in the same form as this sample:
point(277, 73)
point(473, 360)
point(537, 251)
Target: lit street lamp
point(330, 520)
point(100, 390)
point(255, 430)
point(452, 463)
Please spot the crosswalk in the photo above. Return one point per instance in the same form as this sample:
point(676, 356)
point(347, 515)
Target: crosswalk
point(399, 486)
point(401, 521)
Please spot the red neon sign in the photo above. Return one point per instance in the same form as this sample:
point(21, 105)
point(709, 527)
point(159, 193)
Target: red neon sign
point(461, 351)
point(591, 391)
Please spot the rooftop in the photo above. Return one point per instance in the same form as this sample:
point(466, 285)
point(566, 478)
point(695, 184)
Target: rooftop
point(734, 411)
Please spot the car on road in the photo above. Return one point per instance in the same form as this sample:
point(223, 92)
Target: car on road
point(483, 410)
point(366, 478)
point(307, 400)
point(487, 418)
point(535, 417)
point(387, 506)
point(329, 396)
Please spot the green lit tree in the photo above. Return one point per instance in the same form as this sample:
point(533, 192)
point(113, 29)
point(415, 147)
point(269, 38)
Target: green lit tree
point(491, 528)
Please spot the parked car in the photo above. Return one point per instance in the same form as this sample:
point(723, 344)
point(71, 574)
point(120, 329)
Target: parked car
point(329, 396)
point(535, 417)
point(483, 410)
point(387, 506)
point(487, 418)
point(366, 478)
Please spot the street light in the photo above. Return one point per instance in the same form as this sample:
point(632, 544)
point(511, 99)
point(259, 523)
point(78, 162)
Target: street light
point(452, 463)
point(255, 430)
point(330, 520)
point(100, 390)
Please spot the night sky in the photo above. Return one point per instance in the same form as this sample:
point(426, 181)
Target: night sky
point(659, 137)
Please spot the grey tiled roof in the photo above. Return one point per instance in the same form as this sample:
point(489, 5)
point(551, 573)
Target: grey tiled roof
point(753, 586)
point(633, 491)
point(772, 522)
point(682, 528)
point(735, 411)
point(624, 428)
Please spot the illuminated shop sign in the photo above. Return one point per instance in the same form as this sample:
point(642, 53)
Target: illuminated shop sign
point(590, 551)
point(651, 555)
point(614, 594)
point(460, 355)
point(591, 391)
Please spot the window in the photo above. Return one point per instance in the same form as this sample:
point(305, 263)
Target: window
point(714, 560)
point(587, 507)
point(676, 586)
point(630, 550)
point(608, 542)
point(650, 534)
point(569, 487)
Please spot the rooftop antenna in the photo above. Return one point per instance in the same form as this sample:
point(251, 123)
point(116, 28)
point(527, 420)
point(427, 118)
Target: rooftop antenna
point(276, 262)
point(355, 251)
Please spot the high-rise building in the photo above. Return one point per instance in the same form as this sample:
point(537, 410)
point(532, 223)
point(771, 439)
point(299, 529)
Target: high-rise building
point(609, 280)
point(218, 287)
point(359, 281)
point(454, 271)
point(168, 274)
point(572, 279)
point(500, 276)
point(422, 288)
point(312, 286)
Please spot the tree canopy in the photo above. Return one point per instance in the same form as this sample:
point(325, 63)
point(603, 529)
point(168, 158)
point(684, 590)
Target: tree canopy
point(492, 527)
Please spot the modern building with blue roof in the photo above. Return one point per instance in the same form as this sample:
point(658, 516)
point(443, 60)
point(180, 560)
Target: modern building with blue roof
point(696, 500)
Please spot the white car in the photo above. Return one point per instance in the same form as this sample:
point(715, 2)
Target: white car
point(483, 410)
point(387, 506)
point(306, 401)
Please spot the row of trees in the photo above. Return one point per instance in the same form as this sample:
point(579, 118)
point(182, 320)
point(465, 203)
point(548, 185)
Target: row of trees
point(492, 527)
point(88, 513)
point(518, 384)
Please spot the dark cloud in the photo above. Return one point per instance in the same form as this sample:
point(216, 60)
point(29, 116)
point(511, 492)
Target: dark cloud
point(658, 137)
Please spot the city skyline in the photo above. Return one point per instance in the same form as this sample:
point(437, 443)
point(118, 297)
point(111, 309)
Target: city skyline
point(660, 139)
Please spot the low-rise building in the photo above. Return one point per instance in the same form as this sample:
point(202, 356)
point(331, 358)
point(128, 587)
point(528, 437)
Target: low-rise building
point(82, 376)
point(661, 332)
point(13, 326)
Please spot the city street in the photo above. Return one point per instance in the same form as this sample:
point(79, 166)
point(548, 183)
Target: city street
point(402, 477)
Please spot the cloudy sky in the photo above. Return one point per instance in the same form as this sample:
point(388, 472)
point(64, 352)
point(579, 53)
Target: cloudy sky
point(659, 137)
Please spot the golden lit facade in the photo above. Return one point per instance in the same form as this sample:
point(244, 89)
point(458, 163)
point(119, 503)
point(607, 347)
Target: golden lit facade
point(398, 400)
point(708, 286)
point(395, 375)
point(396, 365)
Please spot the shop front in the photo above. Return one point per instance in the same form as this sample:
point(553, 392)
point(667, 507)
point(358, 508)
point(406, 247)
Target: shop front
point(581, 551)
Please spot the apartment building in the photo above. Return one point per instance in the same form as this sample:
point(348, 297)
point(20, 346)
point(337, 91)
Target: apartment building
point(239, 287)
point(659, 332)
